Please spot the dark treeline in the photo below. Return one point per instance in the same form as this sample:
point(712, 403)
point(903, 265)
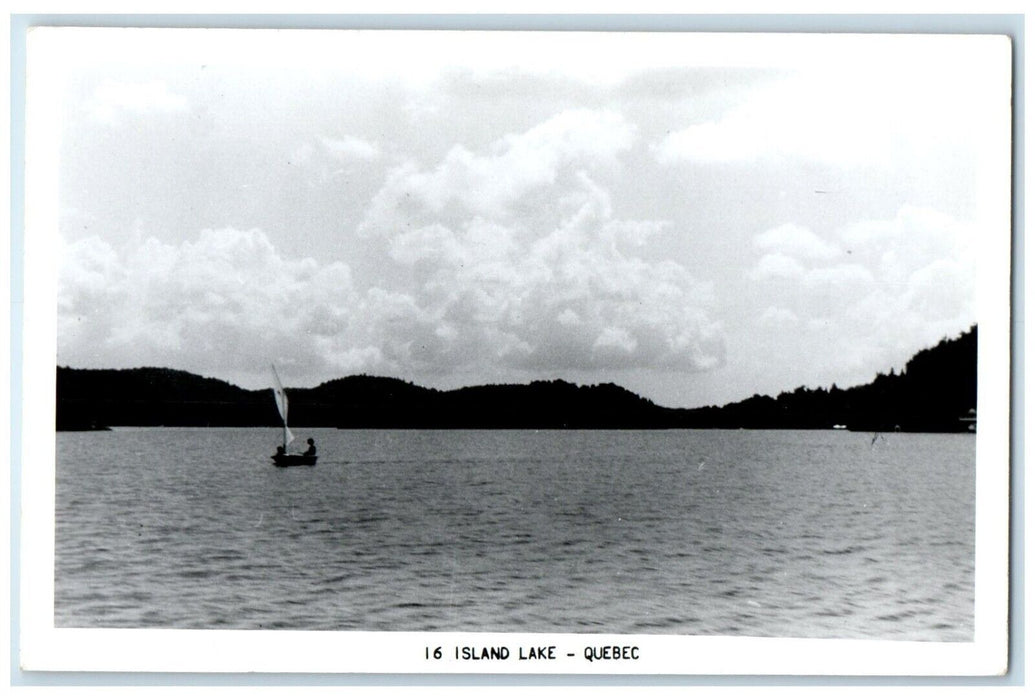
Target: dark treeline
point(553, 404)
point(94, 398)
point(935, 390)
point(90, 399)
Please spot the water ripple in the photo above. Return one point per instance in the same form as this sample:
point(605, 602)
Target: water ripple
point(794, 535)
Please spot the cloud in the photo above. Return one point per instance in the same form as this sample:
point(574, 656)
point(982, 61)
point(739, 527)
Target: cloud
point(573, 298)
point(803, 118)
point(897, 285)
point(513, 168)
point(777, 265)
point(835, 114)
point(350, 148)
point(795, 240)
point(223, 301)
point(510, 259)
point(518, 260)
point(775, 316)
point(112, 100)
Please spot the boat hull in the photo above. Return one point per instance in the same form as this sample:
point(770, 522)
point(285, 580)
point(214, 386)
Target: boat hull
point(294, 460)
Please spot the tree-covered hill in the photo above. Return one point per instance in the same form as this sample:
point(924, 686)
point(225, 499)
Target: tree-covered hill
point(937, 388)
point(93, 398)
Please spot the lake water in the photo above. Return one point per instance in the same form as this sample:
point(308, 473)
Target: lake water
point(765, 533)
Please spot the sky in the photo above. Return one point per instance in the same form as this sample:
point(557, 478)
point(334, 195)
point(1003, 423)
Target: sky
point(698, 218)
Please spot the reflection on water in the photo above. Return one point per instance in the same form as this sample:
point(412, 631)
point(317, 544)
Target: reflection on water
point(764, 533)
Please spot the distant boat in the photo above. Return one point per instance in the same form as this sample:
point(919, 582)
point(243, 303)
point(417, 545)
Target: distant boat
point(282, 458)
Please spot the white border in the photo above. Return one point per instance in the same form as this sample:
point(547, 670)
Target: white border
point(44, 647)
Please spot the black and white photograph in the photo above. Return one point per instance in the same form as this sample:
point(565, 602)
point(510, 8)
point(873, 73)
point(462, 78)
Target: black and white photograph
point(517, 352)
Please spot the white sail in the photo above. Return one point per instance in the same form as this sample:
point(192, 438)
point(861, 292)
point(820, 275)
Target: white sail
point(282, 405)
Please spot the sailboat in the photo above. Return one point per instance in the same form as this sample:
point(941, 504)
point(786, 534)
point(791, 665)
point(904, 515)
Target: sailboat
point(282, 458)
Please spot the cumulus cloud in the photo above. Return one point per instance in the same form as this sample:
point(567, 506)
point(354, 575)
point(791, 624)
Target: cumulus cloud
point(222, 301)
point(574, 297)
point(111, 100)
point(506, 260)
point(896, 285)
point(517, 260)
point(491, 183)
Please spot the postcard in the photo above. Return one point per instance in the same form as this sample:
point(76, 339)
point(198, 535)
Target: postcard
point(515, 352)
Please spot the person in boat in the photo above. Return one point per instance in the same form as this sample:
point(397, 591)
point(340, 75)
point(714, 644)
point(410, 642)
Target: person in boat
point(311, 450)
point(280, 451)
